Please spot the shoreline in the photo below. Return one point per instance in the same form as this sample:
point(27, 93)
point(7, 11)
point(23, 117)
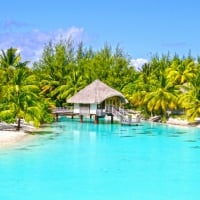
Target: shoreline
point(11, 138)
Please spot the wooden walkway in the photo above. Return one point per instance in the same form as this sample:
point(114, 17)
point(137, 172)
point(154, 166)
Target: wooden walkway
point(121, 115)
point(60, 111)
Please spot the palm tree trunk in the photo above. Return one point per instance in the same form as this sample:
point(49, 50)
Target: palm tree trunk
point(18, 124)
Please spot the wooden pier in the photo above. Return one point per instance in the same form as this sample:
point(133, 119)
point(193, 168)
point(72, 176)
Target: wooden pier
point(60, 111)
point(122, 116)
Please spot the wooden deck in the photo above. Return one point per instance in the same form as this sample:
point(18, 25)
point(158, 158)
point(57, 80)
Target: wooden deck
point(60, 111)
point(121, 115)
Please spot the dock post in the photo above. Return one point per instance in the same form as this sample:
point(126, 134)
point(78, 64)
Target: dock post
point(111, 119)
point(81, 118)
point(96, 119)
point(56, 117)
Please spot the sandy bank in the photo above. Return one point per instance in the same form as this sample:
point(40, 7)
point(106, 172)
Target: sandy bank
point(8, 138)
point(180, 122)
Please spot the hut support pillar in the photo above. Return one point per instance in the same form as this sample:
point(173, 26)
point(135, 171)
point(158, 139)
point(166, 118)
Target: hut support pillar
point(96, 119)
point(81, 118)
point(111, 119)
point(56, 116)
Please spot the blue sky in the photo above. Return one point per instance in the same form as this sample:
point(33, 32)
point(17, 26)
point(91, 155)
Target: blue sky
point(141, 28)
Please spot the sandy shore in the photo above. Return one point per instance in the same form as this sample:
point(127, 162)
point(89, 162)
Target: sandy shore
point(8, 138)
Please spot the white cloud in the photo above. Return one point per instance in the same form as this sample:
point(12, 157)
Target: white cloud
point(137, 63)
point(12, 24)
point(75, 33)
point(31, 44)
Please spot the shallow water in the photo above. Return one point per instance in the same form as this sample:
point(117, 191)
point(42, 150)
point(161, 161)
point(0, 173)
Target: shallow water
point(86, 161)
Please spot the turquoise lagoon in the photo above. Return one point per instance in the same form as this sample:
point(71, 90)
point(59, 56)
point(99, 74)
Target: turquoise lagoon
point(75, 161)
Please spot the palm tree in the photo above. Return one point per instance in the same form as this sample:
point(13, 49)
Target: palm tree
point(162, 97)
point(146, 78)
point(190, 97)
point(155, 94)
point(21, 97)
point(160, 100)
point(74, 82)
point(181, 71)
point(144, 83)
point(9, 61)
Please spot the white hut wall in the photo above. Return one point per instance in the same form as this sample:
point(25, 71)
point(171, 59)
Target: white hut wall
point(93, 108)
point(76, 108)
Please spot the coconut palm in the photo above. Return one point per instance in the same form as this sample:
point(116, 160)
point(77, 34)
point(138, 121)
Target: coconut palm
point(21, 98)
point(156, 94)
point(160, 100)
point(9, 61)
point(181, 71)
point(74, 82)
point(144, 83)
point(146, 78)
point(190, 98)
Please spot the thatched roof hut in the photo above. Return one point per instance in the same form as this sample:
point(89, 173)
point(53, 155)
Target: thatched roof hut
point(96, 92)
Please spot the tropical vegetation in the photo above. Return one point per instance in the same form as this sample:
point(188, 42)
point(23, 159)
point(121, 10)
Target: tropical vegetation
point(166, 84)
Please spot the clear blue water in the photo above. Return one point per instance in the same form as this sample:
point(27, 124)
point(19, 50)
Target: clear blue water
point(103, 162)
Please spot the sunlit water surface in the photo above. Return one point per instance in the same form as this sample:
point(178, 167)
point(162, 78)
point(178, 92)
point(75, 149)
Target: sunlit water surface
point(75, 161)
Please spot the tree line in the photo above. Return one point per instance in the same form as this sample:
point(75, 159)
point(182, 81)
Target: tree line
point(165, 84)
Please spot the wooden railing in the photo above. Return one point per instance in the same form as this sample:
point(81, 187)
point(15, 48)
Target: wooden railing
point(62, 110)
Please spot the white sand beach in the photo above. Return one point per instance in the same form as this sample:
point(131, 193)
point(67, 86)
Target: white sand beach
point(180, 122)
point(8, 138)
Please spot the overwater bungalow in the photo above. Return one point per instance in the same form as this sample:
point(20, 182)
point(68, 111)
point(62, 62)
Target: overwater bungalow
point(98, 100)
